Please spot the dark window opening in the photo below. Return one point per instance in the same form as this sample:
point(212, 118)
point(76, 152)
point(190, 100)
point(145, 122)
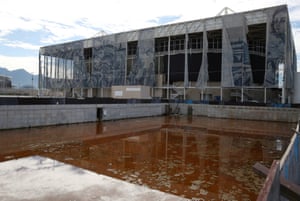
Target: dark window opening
point(194, 62)
point(256, 38)
point(130, 65)
point(99, 114)
point(88, 53)
point(159, 64)
point(176, 67)
point(195, 41)
point(214, 39)
point(132, 48)
point(177, 42)
point(88, 59)
point(214, 66)
point(161, 44)
point(258, 68)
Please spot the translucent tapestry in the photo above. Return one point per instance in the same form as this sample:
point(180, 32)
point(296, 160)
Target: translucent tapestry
point(108, 62)
point(236, 68)
point(281, 58)
point(101, 63)
point(203, 73)
point(60, 66)
point(142, 72)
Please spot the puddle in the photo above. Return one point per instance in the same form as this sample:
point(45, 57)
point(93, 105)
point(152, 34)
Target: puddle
point(198, 158)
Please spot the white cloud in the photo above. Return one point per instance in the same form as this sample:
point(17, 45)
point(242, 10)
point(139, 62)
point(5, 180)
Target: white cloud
point(10, 22)
point(61, 17)
point(61, 32)
point(296, 34)
point(66, 20)
point(13, 63)
point(20, 44)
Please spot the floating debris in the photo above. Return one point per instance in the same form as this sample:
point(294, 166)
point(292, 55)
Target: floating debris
point(194, 187)
point(9, 157)
point(189, 172)
point(198, 182)
point(69, 159)
point(203, 192)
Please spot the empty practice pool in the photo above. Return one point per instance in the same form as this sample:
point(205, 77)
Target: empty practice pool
point(195, 158)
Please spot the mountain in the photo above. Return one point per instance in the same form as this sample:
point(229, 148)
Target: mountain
point(20, 78)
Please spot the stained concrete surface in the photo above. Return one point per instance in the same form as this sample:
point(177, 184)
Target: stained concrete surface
point(39, 178)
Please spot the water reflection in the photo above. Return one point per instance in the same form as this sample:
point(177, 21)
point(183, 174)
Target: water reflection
point(183, 162)
point(193, 158)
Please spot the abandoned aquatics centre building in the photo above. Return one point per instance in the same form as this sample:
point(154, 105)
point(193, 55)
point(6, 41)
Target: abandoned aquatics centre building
point(243, 57)
point(121, 106)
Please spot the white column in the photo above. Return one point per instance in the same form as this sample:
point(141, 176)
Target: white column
point(168, 77)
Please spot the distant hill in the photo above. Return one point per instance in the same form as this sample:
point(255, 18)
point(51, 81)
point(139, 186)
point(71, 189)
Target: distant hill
point(20, 78)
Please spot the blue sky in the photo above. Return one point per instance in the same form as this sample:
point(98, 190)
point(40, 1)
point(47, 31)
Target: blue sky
point(27, 25)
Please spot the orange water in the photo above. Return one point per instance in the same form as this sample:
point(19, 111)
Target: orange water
point(200, 158)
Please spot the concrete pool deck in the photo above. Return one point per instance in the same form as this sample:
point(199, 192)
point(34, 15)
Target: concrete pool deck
point(40, 178)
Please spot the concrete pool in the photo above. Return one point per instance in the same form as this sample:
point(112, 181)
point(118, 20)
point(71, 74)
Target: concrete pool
point(191, 157)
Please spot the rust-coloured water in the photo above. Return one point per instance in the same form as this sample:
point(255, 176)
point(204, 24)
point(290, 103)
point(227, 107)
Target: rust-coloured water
point(195, 157)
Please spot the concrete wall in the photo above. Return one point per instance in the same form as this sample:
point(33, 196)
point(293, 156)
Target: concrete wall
point(19, 116)
point(123, 111)
point(240, 112)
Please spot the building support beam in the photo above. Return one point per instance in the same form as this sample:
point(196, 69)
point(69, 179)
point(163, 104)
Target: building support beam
point(168, 76)
point(265, 95)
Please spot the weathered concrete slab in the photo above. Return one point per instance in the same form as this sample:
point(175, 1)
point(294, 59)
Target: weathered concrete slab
point(39, 178)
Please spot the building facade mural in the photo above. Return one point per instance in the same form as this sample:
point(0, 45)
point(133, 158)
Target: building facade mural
point(248, 54)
